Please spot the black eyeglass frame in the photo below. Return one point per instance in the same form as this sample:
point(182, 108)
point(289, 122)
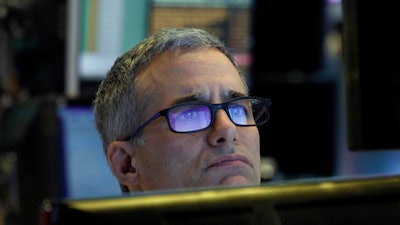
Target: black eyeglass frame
point(213, 108)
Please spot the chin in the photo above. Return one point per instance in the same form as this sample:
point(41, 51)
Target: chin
point(237, 181)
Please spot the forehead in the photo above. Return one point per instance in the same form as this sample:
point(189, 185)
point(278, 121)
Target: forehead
point(206, 73)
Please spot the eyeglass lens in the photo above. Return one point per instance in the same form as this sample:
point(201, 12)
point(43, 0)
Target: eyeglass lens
point(193, 117)
point(189, 117)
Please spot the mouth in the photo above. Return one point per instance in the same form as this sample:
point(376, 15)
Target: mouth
point(230, 160)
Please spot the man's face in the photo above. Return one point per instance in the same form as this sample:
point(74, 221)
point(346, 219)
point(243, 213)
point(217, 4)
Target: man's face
point(223, 154)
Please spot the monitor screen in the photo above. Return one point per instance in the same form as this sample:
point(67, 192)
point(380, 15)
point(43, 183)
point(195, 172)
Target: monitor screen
point(86, 172)
point(97, 33)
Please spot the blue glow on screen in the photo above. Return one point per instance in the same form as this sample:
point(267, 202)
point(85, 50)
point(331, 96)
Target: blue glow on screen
point(86, 170)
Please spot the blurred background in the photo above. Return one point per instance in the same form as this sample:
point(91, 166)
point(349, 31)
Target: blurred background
point(324, 63)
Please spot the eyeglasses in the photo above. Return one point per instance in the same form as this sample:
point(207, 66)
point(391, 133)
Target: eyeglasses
point(196, 116)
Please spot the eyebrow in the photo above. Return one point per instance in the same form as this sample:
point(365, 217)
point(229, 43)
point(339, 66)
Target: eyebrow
point(198, 97)
point(188, 98)
point(234, 94)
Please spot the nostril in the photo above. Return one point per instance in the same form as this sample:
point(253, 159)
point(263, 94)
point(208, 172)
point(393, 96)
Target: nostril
point(221, 140)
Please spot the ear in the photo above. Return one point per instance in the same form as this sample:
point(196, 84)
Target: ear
point(119, 156)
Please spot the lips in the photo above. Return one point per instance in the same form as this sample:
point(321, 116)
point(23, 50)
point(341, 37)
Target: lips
point(229, 160)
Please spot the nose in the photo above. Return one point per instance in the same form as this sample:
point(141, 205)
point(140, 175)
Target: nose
point(223, 131)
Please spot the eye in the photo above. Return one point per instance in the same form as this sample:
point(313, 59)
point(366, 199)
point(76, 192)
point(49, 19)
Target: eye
point(237, 111)
point(187, 114)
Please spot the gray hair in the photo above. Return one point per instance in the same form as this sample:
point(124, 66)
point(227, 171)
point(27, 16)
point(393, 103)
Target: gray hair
point(119, 102)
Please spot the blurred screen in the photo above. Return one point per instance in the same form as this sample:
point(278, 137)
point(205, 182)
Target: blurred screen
point(86, 170)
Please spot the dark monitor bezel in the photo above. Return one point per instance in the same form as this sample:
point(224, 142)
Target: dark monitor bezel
point(363, 200)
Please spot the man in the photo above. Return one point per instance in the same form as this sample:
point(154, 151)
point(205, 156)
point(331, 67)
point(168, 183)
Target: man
point(174, 112)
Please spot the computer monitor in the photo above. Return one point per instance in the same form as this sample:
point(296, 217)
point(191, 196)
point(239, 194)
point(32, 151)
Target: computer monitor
point(364, 200)
point(85, 171)
point(97, 33)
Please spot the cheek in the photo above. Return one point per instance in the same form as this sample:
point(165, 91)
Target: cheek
point(251, 138)
point(172, 150)
point(252, 142)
